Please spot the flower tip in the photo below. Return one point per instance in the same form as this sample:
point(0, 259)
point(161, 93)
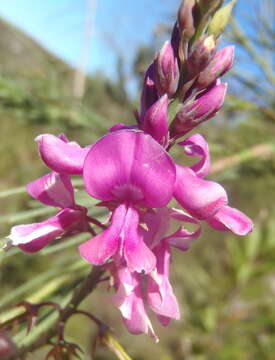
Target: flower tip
point(156, 339)
point(8, 245)
point(39, 138)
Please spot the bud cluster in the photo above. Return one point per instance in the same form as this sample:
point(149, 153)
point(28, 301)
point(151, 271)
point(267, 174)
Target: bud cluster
point(187, 70)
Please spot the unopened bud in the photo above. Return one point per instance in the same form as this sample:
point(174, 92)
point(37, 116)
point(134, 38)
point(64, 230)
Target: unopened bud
point(186, 19)
point(149, 93)
point(201, 54)
point(208, 5)
point(175, 39)
point(220, 19)
point(167, 70)
point(221, 63)
point(203, 108)
point(155, 121)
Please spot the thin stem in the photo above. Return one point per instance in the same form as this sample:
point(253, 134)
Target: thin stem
point(86, 288)
point(96, 222)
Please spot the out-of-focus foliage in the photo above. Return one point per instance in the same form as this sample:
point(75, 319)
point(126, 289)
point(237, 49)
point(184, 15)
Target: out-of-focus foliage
point(225, 285)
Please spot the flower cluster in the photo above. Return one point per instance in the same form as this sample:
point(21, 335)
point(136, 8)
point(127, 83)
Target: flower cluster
point(131, 173)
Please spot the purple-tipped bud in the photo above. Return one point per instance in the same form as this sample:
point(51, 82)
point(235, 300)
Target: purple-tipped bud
point(186, 19)
point(167, 70)
point(175, 39)
point(155, 121)
point(201, 54)
point(203, 108)
point(149, 93)
point(221, 63)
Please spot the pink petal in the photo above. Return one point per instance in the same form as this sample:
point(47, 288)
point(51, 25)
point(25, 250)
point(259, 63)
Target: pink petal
point(137, 255)
point(34, 237)
point(204, 107)
point(196, 145)
point(139, 322)
point(201, 198)
point(130, 166)
point(121, 126)
point(155, 121)
point(125, 283)
point(230, 219)
point(167, 70)
point(157, 223)
point(182, 239)
point(130, 302)
point(53, 189)
point(180, 215)
point(221, 63)
point(100, 248)
point(160, 296)
point(61, 156)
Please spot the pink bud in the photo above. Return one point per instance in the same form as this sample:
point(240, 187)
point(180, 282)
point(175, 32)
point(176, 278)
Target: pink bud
point(221, 63)
point(167, 74)
point(155, 121)
point(203, 108)
point(200, 55)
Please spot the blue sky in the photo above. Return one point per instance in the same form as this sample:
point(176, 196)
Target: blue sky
point(119, 26)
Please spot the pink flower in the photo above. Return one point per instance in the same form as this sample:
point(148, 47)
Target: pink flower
point(129, 299)
point(135, 293)
point(54, 190)
point(60, 154)
point(206, 200)
point(131, 170)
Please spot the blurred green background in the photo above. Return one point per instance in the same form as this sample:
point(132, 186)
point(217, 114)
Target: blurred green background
point(225, 285)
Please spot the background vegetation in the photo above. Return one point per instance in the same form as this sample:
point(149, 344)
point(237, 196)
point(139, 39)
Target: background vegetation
point(225, 285)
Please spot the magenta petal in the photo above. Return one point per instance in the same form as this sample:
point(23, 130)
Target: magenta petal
point(121, 126)
point(139, 322)
point(125, 284)
point(33, 237)
point(61, 156)
point(196, 145)
point(230, 219)
point(129, 166)
point(129, 300)
point(137, 255)
point(155, 121)
point(221, 63)
point(53, 189)
point(180, 215)
point(201, 109)
point(201, 198)
point(182, 239)
point(160, 296)
point(167, 71)
point(164, 320)
point(100, 248)
point(157, 223)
